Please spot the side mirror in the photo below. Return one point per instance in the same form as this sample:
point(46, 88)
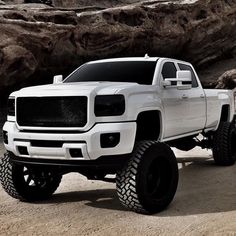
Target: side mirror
point(183, 80)
point(57, 79)
point(184, 76)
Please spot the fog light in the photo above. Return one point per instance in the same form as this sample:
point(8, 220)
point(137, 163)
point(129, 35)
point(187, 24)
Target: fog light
point(23, 150)
point(5, 137)
point(110, 140)
point(76, 152)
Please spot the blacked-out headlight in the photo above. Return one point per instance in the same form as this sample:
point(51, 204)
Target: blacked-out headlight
point(109, 105)
point(11, 106)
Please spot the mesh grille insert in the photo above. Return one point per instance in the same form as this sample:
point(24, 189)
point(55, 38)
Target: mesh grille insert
point(52, 111)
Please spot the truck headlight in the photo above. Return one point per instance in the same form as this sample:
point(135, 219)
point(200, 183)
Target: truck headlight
point(109, 105)
point(11, 106)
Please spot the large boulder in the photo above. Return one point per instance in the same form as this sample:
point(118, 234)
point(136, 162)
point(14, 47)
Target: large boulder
point(37, 41)
point(227, 80)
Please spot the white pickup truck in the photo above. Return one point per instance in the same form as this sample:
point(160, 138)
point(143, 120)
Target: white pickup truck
point(115, 116)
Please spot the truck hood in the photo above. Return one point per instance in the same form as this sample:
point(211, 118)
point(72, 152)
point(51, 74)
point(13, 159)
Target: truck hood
point(75, 89)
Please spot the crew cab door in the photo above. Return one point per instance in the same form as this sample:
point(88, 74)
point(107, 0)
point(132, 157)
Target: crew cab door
point(184, 110)
point(196, 113)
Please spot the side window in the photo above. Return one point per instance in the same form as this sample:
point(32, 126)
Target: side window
point(187, 67)
point(169, 70)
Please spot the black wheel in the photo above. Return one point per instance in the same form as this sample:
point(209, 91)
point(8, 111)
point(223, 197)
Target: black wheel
point(148, 182)
point(224, 144)
point(27, 183)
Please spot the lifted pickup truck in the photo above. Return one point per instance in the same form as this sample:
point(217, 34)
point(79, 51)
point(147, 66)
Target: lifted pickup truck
point(115, 116)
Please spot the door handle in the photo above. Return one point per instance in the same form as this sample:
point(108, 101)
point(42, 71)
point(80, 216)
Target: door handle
point(202, 96)
point(184, 96)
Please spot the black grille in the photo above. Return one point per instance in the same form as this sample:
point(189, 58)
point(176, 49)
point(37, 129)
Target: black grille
point(52, 111)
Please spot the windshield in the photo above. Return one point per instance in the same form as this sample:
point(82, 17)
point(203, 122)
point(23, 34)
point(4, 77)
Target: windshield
point(140, 72)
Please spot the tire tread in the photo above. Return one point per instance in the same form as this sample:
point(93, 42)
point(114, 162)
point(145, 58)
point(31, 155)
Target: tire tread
point(126, 179)
point(6, 177)
point(222, 145)
point(9, 185)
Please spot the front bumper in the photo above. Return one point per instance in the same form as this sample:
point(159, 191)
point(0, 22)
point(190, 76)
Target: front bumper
point(88, 142)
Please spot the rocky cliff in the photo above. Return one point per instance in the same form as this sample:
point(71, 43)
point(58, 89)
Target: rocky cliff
point(37, 41)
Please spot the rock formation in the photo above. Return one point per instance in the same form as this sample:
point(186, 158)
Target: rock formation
point(13, 1)
point(227, 80)
point(38, 41)
point(94, 3)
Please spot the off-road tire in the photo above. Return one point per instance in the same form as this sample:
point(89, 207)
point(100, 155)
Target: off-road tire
point(12, 178)
point(224, 144)
point(148, 182)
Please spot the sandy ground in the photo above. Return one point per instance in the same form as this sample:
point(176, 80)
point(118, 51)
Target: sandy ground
point(205, 204)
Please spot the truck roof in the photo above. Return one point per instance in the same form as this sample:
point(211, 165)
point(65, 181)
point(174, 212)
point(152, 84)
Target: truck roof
point(146, 58)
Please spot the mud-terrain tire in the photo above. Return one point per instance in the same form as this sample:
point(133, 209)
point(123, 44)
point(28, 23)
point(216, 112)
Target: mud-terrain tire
point(27, 183)
point(148, 182)
point(224, 144)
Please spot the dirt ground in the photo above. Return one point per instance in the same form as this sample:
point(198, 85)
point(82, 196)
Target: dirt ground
point(205, 204)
